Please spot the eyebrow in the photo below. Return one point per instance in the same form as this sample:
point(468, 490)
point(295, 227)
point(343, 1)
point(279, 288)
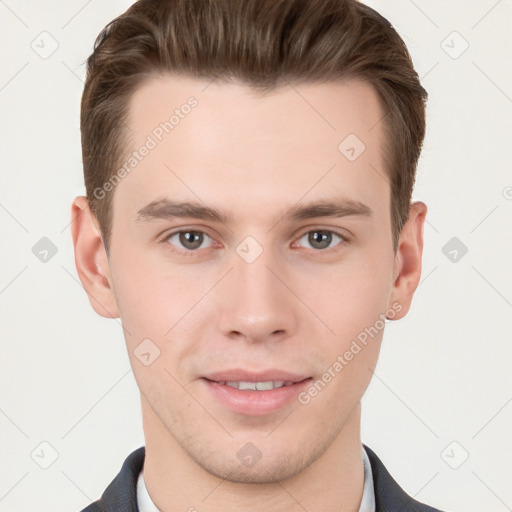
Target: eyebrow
point(165, 209)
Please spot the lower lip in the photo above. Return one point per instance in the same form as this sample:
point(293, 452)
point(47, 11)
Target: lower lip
point(255, 403)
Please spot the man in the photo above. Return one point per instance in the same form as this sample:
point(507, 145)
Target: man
point(249, 168)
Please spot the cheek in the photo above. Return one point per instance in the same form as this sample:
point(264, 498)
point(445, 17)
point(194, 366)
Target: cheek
point(144, 284)
point(351, 296)
point(161, 309)
point(143, 301)
point(355, 308)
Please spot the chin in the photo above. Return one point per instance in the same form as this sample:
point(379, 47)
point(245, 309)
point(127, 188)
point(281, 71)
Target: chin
point(252, 466)
point(267, 472)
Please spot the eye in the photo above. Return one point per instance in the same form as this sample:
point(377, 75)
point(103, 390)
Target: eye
point(321, 238)
point(189, 240)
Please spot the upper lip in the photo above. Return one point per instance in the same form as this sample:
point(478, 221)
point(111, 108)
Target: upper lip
point(239, 375)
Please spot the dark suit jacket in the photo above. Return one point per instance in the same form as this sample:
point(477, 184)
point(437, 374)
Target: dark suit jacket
point(121, 494)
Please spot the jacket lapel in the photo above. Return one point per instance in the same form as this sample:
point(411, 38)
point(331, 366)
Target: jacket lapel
point(121, 493)
point(389, 496)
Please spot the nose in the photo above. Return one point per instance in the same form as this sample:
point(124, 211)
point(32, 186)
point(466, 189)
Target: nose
point(256, 304)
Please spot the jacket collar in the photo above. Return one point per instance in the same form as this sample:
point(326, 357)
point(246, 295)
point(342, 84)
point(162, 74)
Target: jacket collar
point(389, 496)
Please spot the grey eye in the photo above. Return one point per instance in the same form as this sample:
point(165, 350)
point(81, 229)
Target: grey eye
point(189, 240)
point(320, 238)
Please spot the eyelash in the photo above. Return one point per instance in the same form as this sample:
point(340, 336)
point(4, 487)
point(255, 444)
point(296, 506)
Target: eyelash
point(192, 253)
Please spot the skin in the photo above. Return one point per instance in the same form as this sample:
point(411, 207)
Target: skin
point(297, 307)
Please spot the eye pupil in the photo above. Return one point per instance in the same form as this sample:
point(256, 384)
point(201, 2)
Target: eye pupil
point(323, 238)
point(191, 239)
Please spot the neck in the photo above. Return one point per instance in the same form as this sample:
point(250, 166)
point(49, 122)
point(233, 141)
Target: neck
point(175, 482)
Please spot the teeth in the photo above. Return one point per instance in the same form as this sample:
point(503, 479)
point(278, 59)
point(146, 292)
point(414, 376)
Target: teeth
point(256, 386)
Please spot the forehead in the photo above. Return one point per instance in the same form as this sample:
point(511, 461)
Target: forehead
point(327, 109)
point(223, 142)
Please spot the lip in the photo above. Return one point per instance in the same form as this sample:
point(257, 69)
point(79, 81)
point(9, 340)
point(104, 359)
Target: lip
point(237, 375)
point(254, 402)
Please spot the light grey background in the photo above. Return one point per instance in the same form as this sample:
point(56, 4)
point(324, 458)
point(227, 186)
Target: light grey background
point(442, 388)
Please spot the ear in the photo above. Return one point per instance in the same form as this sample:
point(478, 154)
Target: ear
point(407, 267)
point(91, 259)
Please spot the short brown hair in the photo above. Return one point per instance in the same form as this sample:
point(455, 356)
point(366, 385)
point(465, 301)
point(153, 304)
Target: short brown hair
point(264, 44)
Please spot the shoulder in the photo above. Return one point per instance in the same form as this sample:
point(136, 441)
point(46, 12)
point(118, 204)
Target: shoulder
point(389, 496)
point(121, 493)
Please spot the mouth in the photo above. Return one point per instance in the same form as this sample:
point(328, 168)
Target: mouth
point(255, 394)
point(281, 377)
point(256, 386)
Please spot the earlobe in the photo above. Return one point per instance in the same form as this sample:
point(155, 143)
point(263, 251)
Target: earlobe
point(91, 259)
point(407, 271)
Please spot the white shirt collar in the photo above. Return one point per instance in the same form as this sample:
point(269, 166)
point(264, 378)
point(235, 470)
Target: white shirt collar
point(146, 504)
point(368, 501)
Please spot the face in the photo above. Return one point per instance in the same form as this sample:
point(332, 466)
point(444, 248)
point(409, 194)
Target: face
point(277, 273)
